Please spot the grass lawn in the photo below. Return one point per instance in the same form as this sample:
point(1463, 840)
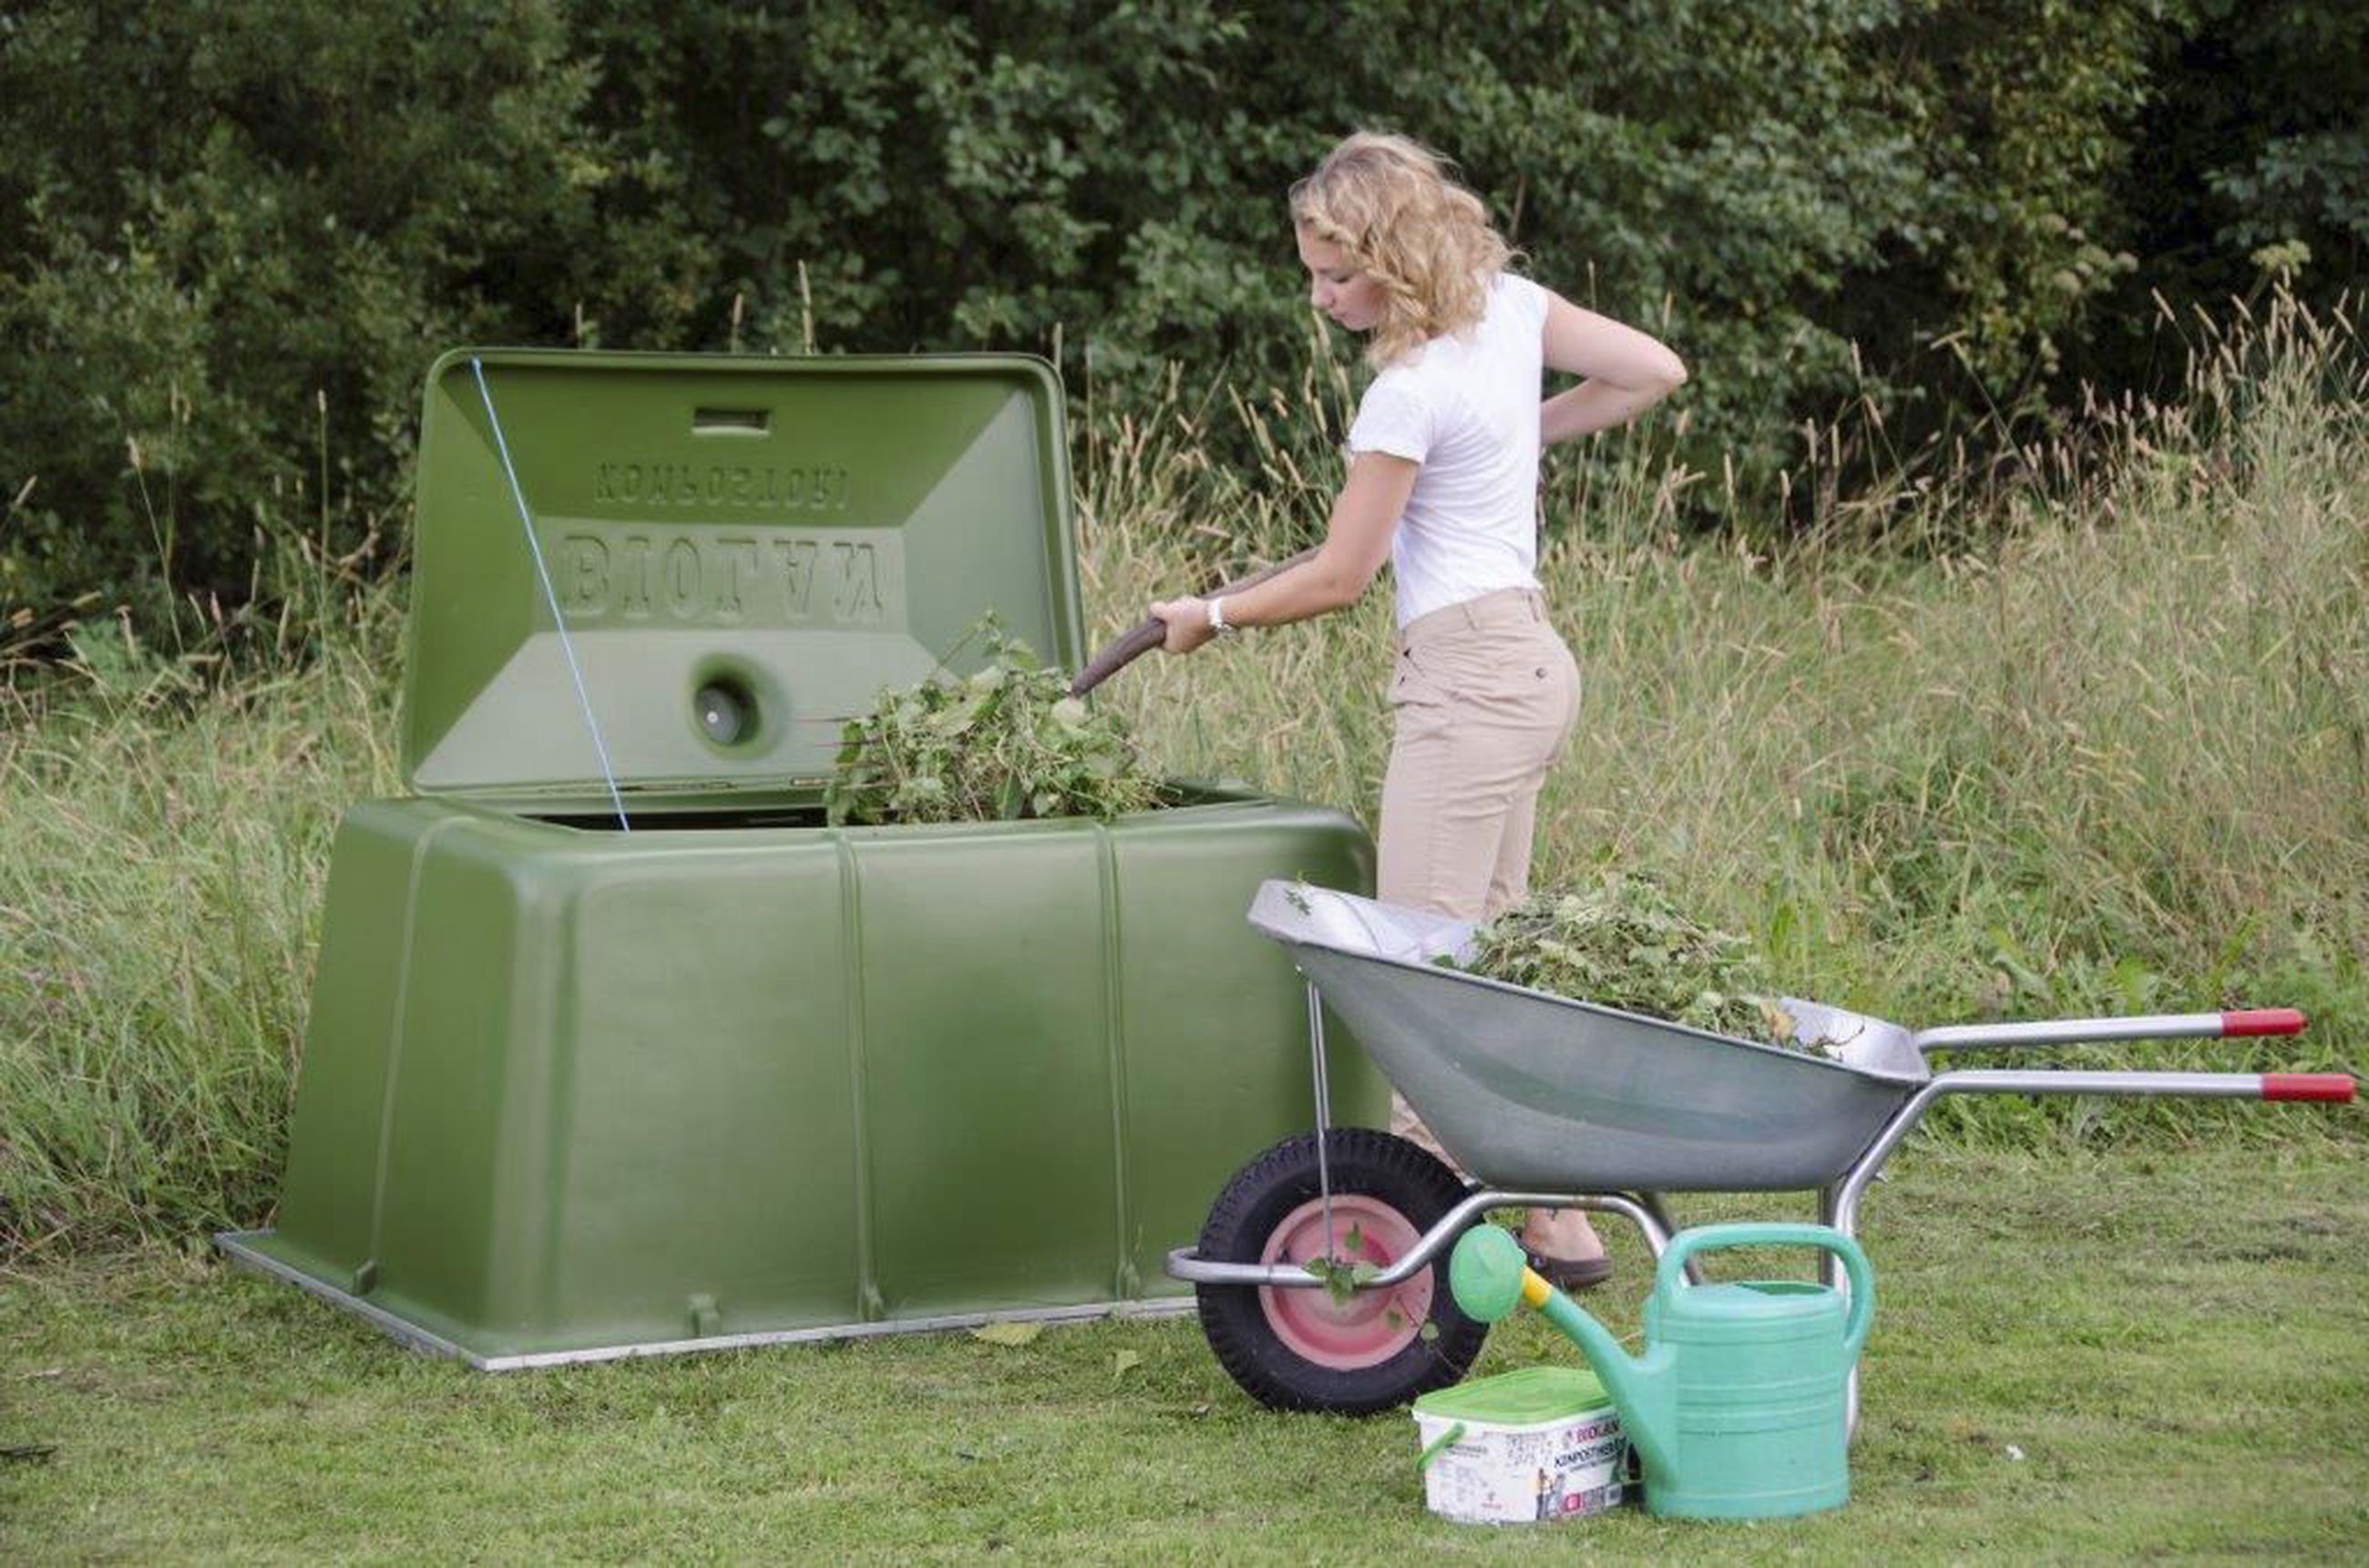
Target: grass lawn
point(2152, 1354)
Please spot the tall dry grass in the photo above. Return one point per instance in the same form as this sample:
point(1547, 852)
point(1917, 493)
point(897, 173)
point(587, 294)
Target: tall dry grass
point(164, 846)
point(2101, 749)
point(2088, 735)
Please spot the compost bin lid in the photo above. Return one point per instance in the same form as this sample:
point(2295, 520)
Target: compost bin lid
point(744, 551)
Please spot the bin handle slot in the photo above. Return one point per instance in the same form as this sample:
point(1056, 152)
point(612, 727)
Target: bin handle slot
point(730, 421)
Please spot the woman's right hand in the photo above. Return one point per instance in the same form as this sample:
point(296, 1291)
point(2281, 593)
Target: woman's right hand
point(1188, 623)
point(1315, 581)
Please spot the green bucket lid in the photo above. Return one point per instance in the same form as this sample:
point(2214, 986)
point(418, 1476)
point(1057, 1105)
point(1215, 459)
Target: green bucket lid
point(744, 551)
point(1529, 1396)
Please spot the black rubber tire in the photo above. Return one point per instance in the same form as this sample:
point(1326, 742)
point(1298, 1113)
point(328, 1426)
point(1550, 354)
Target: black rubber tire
point(1375, 1165)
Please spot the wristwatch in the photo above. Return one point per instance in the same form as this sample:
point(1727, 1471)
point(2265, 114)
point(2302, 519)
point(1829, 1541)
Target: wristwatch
point(1217, 618)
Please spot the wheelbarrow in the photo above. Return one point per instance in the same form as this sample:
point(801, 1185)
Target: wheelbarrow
point(1320, 1273)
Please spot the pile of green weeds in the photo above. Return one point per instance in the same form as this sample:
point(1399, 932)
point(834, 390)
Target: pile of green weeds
point(1624, 943)
point(1003, 743)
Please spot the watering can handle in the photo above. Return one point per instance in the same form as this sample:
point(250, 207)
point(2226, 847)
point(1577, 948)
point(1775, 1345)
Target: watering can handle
point(1669, 1275)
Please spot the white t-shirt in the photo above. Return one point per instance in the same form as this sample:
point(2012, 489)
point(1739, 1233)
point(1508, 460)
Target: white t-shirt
point(1466, 407)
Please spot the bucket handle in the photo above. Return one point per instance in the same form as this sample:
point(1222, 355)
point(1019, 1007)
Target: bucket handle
point(1431, 1449)
point(1669, 1276)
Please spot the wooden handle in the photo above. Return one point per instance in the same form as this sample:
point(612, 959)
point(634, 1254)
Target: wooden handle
point(1118, 653)
point(1125, 649)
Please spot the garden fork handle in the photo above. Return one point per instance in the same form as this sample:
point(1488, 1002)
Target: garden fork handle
point(1124, 650)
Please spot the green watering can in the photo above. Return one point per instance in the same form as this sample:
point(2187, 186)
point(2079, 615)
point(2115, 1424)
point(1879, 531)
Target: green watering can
point(1739, 1409)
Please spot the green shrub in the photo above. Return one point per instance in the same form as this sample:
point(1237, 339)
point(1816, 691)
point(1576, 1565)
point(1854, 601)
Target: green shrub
point(233, 234)
point(237, 232)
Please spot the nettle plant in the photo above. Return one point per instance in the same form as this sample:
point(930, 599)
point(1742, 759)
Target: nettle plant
point(1625, 943)
point(1003, 743)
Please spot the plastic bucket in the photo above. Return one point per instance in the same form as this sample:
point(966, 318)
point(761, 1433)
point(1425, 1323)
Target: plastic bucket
point(1527, 1447)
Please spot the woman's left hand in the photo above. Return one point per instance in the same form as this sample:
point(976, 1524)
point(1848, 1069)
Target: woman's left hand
point(1188, 623)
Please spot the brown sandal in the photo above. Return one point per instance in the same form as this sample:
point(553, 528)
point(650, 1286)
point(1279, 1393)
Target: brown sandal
point(1570, 1274)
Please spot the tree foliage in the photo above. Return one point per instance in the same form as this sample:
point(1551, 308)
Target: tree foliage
point(2257, 131)
point(233, 233)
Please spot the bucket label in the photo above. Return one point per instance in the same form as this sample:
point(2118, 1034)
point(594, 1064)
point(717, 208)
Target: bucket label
point(1564, 1470)
point(636, 575)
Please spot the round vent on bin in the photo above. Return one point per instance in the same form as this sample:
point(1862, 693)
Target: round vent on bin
point(726, 710)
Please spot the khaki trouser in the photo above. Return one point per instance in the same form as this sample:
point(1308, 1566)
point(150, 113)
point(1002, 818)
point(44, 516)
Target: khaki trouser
point(1486, 696)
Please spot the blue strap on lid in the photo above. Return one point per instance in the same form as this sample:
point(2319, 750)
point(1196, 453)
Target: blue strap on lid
point(550, 596)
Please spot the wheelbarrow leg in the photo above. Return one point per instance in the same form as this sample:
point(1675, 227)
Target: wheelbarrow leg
point(1838, 1203)
point(1839, 1209)
point(1831, 1213)
point(1656, 1205)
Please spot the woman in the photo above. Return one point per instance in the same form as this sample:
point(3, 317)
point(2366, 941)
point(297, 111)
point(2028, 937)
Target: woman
point(1443, 480)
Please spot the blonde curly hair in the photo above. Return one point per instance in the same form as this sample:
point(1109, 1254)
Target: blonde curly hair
point(1394, 208)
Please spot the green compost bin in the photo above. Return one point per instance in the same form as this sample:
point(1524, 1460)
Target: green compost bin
point(719, 1073)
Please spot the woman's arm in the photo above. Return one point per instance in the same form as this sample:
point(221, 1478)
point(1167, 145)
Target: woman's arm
point(1626, 372)
point(1357, 542)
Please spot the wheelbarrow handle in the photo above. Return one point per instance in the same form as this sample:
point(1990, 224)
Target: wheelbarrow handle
point(1128, 647)
point(2141, 1026)
point(2333, 1088)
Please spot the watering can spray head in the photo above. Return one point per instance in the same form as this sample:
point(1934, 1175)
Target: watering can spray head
point(1490, 1277)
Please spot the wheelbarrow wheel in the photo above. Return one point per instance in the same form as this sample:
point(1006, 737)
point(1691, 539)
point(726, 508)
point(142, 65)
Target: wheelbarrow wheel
point(1331, 1347)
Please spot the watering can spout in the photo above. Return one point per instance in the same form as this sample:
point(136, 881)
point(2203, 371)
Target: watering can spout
point(1490, 1277)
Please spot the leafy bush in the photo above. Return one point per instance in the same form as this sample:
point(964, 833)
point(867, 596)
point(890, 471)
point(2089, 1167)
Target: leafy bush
point(233, 235)
point(2257, 128)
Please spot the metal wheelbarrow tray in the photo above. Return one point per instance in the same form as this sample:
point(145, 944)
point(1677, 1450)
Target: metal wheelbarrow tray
point(1545, 1100)
point(1526, 1089)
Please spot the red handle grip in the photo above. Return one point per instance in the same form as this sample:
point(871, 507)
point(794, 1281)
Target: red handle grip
point(2262, 1021)
point(2336, 1087)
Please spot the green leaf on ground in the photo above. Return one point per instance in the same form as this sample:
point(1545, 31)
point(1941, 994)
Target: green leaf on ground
point(1008, 1333)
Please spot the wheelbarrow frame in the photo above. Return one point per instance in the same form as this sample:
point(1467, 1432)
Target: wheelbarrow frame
point(1340, 943)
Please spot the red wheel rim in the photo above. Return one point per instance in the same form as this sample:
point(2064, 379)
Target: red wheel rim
point(1371, 1326)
